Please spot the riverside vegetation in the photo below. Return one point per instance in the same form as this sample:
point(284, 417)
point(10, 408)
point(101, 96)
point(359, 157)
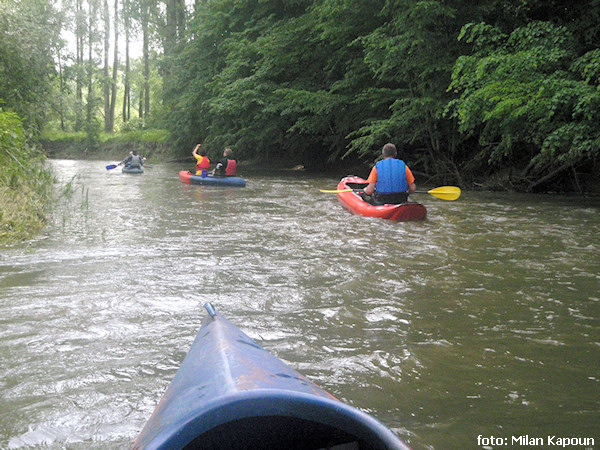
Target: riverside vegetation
point(501, 94)
point(26, 183)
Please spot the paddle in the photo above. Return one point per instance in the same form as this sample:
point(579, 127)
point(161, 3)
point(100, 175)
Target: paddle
point(111, 166)
point(449, 193)
point(336, 191)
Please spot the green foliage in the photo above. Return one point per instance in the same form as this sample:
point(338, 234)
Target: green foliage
point(29, 35)
point(275, 78)
point(528, 97)
point(499, 89)
point(146, 135)
point(26, 185)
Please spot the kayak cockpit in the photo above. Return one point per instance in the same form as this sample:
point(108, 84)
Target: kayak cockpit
point(356, 186)
point(269, 419)
point(276, 432)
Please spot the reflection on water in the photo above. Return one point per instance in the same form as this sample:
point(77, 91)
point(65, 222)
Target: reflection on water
point(482, 320)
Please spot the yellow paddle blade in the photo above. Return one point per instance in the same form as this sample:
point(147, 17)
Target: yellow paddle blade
point(445, 192)
point(335, 191)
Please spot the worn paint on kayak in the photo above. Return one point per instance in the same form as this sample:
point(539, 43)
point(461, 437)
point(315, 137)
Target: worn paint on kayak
point(354, 203)
point(230, 393)
point(210, 180)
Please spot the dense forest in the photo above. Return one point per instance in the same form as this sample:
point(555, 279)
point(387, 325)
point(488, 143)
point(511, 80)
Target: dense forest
point(498, 94)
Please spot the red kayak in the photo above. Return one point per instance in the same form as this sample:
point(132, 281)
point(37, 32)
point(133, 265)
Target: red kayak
point(353, 202)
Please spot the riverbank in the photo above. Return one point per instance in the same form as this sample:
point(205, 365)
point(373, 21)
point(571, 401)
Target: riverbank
point(26, 183)
point(151, 143)
point(22, 215)
point(156, 146)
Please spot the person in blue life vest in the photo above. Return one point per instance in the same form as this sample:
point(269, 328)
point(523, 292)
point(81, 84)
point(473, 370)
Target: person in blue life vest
point(226, 167)
point(133, 160)
point(390, 181)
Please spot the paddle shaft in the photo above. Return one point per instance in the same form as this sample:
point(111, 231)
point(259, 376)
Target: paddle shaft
point(449, 193)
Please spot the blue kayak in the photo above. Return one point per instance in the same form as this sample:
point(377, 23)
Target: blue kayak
point(230, 393)
point(210, 180)
point(127, 169)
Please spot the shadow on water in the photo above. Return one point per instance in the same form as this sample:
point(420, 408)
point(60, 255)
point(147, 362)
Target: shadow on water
point(482, 320)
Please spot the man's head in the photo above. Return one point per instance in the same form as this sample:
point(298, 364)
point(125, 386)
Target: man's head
point(227, 152)
point(389, 151)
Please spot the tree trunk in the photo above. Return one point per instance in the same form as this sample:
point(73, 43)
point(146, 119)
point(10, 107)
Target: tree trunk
point(90, 94)
point(113, 94)
point(146, 56)
point(60, 92)
point(126, 82)
point(79, 34)
point(106, 81)
point(174, 32)
point(90, 67)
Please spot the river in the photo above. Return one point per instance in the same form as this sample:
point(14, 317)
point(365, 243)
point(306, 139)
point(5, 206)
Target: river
point(482, 321)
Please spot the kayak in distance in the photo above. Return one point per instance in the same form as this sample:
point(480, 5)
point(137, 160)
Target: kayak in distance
point(353, 202)
point(230, 393)
point(127, 169)
point(210, 180)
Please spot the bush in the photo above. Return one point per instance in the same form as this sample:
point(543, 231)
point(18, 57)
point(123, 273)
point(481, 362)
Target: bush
point(26, 184)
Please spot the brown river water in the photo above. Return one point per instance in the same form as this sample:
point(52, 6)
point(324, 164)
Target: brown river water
point(481, 322)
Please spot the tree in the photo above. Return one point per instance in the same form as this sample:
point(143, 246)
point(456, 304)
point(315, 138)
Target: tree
point(29, 39)
point(106, 80)
point(144, 110)
point(91, 123)
point(115, 71)
point(531, 100)
point(80, 33)
point(127, 13)
point(110, 82)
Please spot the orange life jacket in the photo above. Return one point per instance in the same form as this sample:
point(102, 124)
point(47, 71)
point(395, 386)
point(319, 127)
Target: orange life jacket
point(203, 164)
point(231, 167)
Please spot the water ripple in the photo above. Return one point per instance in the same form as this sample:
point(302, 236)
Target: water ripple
point(457, 326)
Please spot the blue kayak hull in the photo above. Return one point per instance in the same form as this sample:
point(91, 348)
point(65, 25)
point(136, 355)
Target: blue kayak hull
point(132, 170)
point(230, 393)
point(209, 180)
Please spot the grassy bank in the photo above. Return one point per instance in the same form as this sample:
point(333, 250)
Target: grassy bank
point(26, 183)
point(22, 214)
point(151, 143)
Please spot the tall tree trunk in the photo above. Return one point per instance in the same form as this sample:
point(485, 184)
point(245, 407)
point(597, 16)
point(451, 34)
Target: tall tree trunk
point(113, 94)
point(175, 27)
point(141, 104)
point(90, 74)
point(106, 80)
point(79, 35)
point(61, 85)
point(127, 83)
point(171, 29)
point(174, 32)
point(146, 56)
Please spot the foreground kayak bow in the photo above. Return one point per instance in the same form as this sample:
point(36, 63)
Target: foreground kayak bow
point(230, 393)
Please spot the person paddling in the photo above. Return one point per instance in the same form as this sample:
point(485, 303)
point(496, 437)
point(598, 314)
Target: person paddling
point(202, 161)
point(133, 160)
point(390, 181)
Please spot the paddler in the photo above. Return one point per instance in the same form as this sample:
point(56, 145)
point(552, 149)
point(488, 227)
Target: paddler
point(390, 181)
point(133, 160)
point(202, 161)
point(226, 167)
